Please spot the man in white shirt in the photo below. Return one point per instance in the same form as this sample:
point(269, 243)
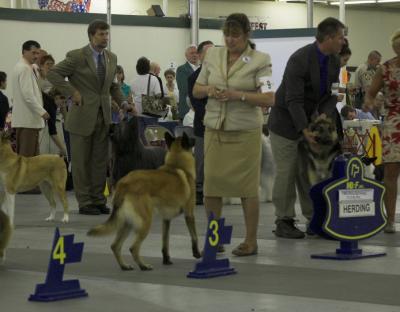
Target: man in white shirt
point(28, 114)
point(182, 74)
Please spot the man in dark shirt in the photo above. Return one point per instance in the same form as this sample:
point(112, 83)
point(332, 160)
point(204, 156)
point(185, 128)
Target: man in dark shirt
point(305, 91)
point(199, 106)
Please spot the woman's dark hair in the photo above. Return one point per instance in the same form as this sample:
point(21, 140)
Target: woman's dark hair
point(143, 66)
point(201, 46)
point(3, 76)
point(46, 58)
point(237, 23)
point(95, 25)
point(329, 27)
point(345, 48)
point(169, 72)
point(120, 70)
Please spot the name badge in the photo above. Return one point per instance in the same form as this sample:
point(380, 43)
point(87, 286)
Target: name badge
point(266, 83)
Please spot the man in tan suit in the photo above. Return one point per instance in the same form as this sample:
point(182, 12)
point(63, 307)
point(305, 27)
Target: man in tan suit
point(90, 71)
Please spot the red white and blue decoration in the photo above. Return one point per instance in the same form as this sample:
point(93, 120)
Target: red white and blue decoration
point(75, 6)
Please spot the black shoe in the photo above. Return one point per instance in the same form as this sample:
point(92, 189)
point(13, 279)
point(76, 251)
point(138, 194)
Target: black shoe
point(286, 228)
point(89, 210)
point(103, 208)
point(199, 198)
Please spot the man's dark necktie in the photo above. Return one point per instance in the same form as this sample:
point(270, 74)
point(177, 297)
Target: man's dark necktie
point(101, 70)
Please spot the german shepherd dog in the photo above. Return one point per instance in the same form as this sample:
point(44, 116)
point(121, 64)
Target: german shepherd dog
point(319, 157)
point(19, 174)
point(129, 153)
point(169, 189)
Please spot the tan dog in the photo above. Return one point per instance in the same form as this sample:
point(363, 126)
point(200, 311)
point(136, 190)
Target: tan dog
point(19, 174)
point(169, 189)
point(5, 233)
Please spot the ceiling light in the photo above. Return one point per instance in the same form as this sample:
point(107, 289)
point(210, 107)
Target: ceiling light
point(354, 2)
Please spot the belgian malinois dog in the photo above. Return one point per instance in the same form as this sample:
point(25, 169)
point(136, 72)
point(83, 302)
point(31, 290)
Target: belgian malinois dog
point(170, 189)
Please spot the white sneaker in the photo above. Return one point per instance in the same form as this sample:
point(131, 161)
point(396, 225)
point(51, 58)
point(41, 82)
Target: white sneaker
point(390, 228)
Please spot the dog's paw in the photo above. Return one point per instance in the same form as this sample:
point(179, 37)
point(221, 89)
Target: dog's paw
point(145, 267)
point(65, 219)
point(126, 267)
point(50, 218)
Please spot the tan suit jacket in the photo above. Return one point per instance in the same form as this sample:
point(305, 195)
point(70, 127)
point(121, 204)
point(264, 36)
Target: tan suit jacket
point(244, 75)
point(80, 68)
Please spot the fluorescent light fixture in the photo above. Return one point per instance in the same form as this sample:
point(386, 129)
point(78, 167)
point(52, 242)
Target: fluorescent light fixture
point(387, 1)
point(354, 2)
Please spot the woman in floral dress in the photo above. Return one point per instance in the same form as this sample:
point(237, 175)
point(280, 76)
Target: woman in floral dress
point(387, 79)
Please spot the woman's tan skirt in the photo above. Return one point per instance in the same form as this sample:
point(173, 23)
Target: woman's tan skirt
point(232, 162)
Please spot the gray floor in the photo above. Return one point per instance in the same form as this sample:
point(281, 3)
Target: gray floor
point(282, 277)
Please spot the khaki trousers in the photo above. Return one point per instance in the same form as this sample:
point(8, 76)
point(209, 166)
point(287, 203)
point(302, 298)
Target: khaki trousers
point(290, 173)
point(89, 156)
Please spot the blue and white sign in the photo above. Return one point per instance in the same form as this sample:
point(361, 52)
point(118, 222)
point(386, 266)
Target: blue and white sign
point(354, 205)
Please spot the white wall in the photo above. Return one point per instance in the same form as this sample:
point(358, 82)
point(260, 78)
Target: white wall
point(368, 30)
point(129, 43)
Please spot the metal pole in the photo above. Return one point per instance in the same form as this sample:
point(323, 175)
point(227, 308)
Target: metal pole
point(13, 4)
point(109, 22)
point(194, 14)
point(310, 13)
point(165, 7)
point(342, 11)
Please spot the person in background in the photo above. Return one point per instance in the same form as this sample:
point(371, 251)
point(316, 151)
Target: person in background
point(140, 84)
point(4, 105)
point(305, 91)
point(28, 112)
point(182, 74)
point(232, 78)
point(91, 73)
point(128, 107)
point(349, 113)
point(387, 80)
point(199, 106)
point(344, 56)
point(155, 70)
point(364, 74)
point(53, 131)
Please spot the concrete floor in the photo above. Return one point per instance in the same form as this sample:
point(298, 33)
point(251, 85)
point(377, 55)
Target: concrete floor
point(282, 277)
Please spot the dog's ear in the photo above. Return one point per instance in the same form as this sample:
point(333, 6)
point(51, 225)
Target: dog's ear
point(5, 135)
point(187, 143)
point(169, 139)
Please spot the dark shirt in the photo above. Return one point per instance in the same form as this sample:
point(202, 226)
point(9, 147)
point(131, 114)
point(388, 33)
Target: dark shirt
point(323, 71)
point(4, 109)
point(199, 105)
point(51, 108)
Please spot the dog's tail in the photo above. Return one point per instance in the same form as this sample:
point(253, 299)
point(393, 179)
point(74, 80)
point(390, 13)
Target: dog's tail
point(5, 232)
point(106, 228)
point(111, 224)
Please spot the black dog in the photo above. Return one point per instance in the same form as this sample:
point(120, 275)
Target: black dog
point(129, 153)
